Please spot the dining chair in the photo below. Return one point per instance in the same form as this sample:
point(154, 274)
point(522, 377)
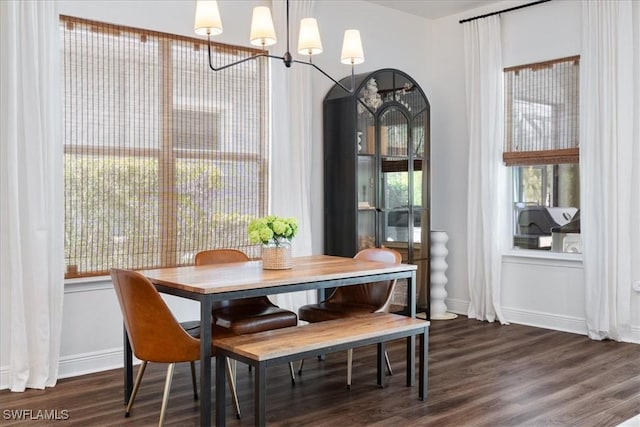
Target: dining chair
point(246, 315)
point(156, 336)
point(348, 301)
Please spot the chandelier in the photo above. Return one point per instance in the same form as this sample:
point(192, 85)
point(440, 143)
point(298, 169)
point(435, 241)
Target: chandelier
point(208, 23)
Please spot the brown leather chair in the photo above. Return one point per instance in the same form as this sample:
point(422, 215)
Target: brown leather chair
point(155, 335)
point(347, 301)
point(246, 315)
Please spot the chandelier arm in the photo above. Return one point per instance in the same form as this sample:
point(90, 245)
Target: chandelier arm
point(259, 55)
point(331, 78)
point(287, 61)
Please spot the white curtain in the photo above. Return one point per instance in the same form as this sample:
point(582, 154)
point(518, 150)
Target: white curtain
point(610, 165)
point(31, 171)
point(486, 211)
point(291, 140)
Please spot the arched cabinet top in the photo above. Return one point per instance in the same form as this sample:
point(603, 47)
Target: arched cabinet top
point(376, 89)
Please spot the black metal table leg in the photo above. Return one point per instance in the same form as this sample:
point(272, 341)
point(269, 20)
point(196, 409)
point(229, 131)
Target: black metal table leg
point(205, 362)
point(423, 365)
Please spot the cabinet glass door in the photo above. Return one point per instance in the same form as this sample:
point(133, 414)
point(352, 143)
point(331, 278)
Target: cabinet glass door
point(421, 194)
point(366, 182)
point(366, 132)
point(366, 229)
point(396, 224)
point(366, 202)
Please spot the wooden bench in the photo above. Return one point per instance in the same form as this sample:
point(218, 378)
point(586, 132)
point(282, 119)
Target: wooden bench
point(279, 346)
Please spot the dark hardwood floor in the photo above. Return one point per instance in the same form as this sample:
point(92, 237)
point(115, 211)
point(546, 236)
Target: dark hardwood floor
point(480, 374)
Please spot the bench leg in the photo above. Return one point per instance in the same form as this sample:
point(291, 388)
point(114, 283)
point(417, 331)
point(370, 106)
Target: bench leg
point(260, 392)
point(380, 363)
point(411, 360)
point(221, 364)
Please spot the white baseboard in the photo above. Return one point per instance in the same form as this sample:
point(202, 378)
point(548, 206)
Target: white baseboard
point(543, 320)
point(4, 377)
point(575, 325)
point(80, 364)
point(87, 363)
point(457, 306)
point(528, 318)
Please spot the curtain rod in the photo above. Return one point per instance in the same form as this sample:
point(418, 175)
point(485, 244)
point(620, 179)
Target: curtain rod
point(522, 6)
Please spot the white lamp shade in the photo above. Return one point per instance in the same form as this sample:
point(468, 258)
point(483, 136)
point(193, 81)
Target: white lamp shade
point(309, 42)
point(262, 30)
point(208, 20)
point(352, 48)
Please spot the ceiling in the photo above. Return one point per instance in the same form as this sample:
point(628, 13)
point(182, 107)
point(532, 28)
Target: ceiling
point(434, 8)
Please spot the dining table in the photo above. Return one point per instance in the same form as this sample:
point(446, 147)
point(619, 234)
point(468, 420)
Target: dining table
point(218, 282)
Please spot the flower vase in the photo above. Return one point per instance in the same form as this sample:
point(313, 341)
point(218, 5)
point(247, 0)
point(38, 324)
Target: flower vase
point(277, 256)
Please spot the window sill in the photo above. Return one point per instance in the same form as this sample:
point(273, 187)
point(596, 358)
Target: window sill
point(88, 279)
point(87, 284)
point(528, 256)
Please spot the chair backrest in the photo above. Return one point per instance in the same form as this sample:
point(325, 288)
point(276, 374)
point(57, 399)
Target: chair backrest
point(220, 256)
point(378, 294)
point(155, 335)
point(223, 256)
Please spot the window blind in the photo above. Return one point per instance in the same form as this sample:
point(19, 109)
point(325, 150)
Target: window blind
point(163, 157)
point(541, 112)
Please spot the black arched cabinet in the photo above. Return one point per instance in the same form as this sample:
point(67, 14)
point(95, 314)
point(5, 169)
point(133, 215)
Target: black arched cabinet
point(377, 171)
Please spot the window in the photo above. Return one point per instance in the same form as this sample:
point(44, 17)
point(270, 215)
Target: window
point(163, 157)
point(541, 148)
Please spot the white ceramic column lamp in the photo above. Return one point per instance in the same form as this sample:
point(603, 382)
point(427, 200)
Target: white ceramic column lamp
point(439, 279)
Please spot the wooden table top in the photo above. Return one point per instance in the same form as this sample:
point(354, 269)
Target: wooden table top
point(211, 279)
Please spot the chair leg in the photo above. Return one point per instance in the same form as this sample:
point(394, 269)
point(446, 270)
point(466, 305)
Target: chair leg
point(386, 359)
point(136, 386)
point(349, 363)
point(165, 395)
point(320, 358)
point(193, 380)
point(232, 386)
point(293, 374)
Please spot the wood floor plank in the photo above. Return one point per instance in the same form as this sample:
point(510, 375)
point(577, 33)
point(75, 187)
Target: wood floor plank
point(480, 374)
